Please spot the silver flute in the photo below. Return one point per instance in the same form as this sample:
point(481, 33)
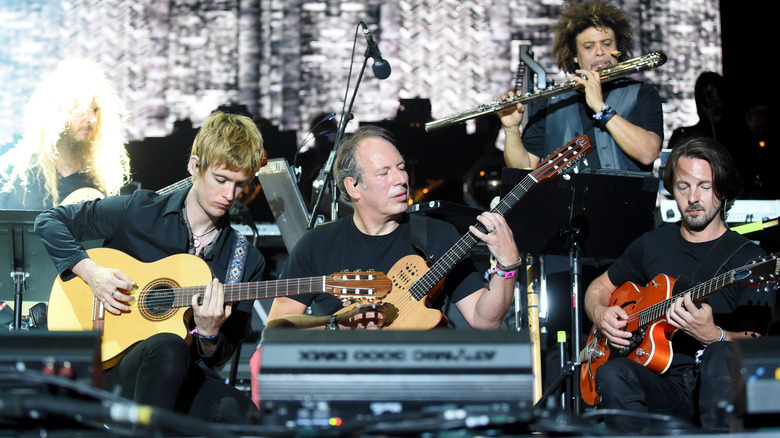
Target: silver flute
point(606, 74)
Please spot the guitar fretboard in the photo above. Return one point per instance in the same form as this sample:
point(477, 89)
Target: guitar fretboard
point(698, 293)
point(556, 164)
point(255, 290)
point(175, 187)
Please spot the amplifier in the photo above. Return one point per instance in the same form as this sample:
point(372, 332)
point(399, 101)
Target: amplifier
point(440, 365)
point(324, 378)
point(74, 356)
point(755, 372)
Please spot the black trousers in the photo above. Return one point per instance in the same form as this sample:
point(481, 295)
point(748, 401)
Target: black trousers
point(694, 394)
point(160, 373)
point(559, 318)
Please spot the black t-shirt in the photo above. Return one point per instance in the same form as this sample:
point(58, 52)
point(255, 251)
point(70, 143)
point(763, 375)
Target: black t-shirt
point(338, 246)
point(33, 196)
point(665, 251)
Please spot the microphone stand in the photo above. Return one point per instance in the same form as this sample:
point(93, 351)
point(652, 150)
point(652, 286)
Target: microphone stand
point(346, 116)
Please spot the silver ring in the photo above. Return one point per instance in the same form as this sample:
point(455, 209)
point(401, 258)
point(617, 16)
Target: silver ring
point(492, 230)
point(112, 293)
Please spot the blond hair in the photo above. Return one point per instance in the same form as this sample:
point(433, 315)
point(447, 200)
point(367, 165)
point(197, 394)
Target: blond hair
point(62, 97)
point(230, 140)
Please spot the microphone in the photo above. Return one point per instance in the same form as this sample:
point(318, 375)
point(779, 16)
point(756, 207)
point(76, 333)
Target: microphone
point(381, 67)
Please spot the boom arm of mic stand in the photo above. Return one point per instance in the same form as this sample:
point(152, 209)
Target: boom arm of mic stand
point(345, 118)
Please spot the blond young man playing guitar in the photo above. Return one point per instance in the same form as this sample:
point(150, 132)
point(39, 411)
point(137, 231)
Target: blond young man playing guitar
point(701, 176)
point(163, 370)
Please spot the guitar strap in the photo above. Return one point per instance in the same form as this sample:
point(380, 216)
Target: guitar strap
point(719, 254)
point(419, 234)
point(716, 258)
point(237, 263)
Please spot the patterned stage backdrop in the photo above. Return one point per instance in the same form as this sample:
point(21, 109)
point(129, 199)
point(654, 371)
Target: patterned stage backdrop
point(289, 60)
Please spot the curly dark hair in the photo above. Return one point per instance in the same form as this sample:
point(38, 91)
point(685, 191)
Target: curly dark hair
point(580, 16)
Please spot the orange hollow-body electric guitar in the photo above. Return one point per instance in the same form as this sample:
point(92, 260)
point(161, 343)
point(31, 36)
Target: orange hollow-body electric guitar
point(651, 343)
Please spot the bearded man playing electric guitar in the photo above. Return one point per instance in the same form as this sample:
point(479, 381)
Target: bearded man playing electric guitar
point(704, 182)
point(380, 235)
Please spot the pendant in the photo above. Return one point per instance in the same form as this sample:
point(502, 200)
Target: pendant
point(195, 242)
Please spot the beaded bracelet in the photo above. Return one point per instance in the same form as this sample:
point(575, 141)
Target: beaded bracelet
point(194, 332)
point(332, 323)
point(512, 267)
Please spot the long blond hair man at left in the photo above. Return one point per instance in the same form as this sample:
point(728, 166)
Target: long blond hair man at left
point(73, 139)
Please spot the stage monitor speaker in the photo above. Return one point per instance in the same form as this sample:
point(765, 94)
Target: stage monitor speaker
point(71, 355)
point(755, 377)
point(308, 378)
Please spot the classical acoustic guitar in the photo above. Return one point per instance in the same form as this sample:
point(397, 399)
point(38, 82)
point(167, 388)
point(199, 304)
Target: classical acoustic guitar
point(164, 292)
point(651, 343)
point(415, 285)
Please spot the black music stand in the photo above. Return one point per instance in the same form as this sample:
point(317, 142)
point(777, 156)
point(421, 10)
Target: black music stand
point(594, 214)
point(27, 268)
point(459, 215)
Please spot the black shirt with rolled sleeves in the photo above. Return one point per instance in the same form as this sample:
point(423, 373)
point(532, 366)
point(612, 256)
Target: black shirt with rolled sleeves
point(148, 227)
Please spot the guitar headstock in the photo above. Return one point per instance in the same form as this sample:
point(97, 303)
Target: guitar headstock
point(564, 158)
point(764, 270)
point(359, 286)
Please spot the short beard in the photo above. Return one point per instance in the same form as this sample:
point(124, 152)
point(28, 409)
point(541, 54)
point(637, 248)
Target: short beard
point(700, 223)
point(75, 153)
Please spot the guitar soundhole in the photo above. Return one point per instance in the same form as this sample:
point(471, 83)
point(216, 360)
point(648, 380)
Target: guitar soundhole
point(157, 301)
point(405, 276)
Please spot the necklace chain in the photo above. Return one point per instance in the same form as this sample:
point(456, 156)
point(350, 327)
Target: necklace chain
point(196, 237)
point(207, 232)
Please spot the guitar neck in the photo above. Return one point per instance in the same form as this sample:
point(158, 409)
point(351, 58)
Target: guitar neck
point(257, 290)
point(555, 164)
point(698, 293)
point(458, 252)
point(175, 187)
